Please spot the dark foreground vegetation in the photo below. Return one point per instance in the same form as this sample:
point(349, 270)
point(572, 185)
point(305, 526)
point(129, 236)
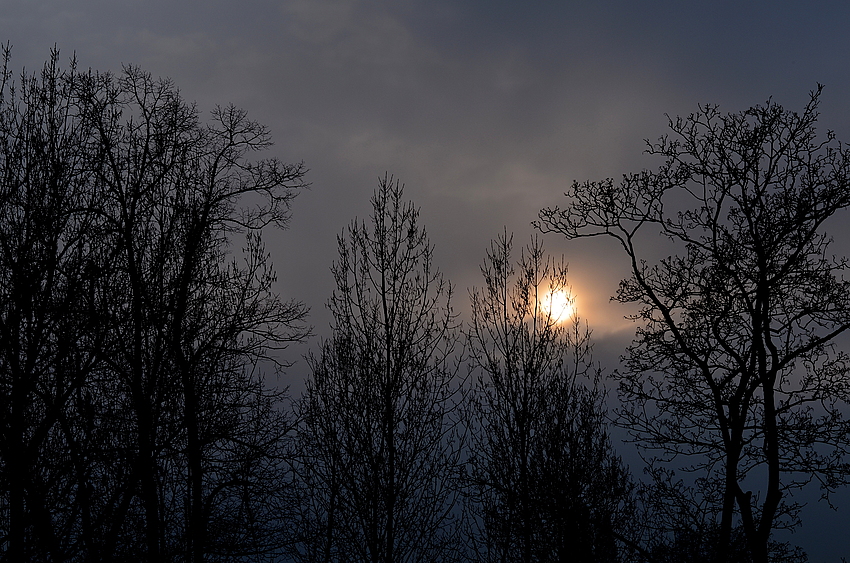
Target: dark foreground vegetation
point(140, 330)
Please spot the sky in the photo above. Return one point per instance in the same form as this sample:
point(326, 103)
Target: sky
point(485, 110)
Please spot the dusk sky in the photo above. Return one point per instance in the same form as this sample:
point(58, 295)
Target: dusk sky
point(486, 111)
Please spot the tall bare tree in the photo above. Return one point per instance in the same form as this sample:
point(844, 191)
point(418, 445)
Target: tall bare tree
point(50, 307)
point(734, 367)
point(377, 438)
point(195, 322)
point(545, 483)
point(133, 339)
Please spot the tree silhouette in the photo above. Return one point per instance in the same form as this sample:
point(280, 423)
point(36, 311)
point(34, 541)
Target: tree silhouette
point(377, 440)
point(678, 521)
point(134, 341)
point(734, 366)
point(195, 326)
point(50, 310)
point(545, 482)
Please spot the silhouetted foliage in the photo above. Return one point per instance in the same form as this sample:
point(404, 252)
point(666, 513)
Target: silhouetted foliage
point(545, 483)
point(377, 439)
point(136, 423)
point(734, 365)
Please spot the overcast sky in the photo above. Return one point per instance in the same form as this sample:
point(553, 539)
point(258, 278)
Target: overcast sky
point(485, 110)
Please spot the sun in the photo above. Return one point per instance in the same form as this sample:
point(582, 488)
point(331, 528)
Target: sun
point(558, 305)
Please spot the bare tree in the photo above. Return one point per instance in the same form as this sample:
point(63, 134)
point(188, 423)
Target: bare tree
point(734, 366)
point(50, 306)
point(377, 439)
point(133, 340)
point(545, 484)
point(196, 324)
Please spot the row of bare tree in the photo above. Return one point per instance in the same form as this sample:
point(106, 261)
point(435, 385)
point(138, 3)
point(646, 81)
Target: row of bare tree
point(139, 329)
point(403, 457)
point(138, 421)
point(735, 377)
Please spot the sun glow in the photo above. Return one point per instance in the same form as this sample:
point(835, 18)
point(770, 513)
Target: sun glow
point(558, 305)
